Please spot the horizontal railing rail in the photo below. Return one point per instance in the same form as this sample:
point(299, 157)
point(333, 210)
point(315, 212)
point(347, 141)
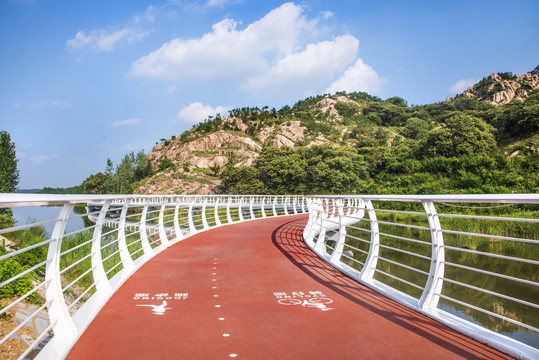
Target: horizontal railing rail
point(468, 261)
point(58, 272)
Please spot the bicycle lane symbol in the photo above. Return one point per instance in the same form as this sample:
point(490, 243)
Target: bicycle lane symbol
point(315, 302)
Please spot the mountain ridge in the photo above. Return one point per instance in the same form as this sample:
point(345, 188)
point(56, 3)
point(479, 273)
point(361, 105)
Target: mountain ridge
point(194, 161)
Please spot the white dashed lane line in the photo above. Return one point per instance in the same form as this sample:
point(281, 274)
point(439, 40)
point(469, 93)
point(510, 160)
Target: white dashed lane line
point(215, 296)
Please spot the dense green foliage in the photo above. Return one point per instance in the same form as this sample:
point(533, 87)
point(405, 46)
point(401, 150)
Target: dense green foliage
point(19, 263)
point(463, 146)
point(9, 174)
point(318, 169)
point(19, 287)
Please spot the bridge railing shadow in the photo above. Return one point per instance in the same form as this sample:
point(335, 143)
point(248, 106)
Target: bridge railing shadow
point(288, 238)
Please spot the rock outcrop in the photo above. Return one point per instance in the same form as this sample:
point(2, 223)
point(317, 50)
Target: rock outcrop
point(499, 89)
point(214, 149)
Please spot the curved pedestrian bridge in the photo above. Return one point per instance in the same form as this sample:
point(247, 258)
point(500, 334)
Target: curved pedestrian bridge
point(310, 277)
point(256, 291)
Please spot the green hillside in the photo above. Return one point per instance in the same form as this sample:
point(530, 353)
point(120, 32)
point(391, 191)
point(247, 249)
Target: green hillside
point(351, 143)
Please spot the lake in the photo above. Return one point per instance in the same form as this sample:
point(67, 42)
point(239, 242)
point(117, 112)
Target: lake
point(31, 214)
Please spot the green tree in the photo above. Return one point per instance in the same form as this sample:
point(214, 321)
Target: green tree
point(143, 167)
point(110, 182)
point(335, 170)
point(282, 170)
point(125, 173)
point(95, 184)
point(9, 174)
point(415, 128)
point(461, 135)
point(242, 181)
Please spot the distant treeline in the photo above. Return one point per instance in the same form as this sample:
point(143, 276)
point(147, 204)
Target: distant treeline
point(120, 179)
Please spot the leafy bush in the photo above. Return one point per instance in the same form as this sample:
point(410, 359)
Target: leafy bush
point(10, 268)
point(165, 163)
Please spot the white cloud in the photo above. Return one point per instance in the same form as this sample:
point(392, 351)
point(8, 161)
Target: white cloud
point(170, 89)
point(357, 77)
point(104, 40)
point(128, 122)
point(313, 67)
point(196, 112)
point(270, 54)
point(43, 104)
point(226, 52)
point(43, 158)
point(148, 15)
point(214, 3)
point(462, 85)
point(327, 14)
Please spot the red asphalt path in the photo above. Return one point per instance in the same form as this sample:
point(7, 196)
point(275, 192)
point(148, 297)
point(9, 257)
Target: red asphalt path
point(234, 277)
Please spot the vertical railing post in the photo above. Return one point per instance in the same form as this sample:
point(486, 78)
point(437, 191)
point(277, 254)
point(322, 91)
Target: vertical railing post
point(63, 326)
point(239, 209)
point(251, 205)
point(146, 247)
point(125, 257)
point(307, 231)
point(367, 272)
point(294, 204)
point(285, 198)
point(274, 206)
point(205, 225)
point(262, 207)
point(192, 228)
point(321, 241)
point(430, 297)
point(216, 212)
point(177, 228)
point(162, 233)
point(339, 245)
point(228, 215)
point(102, 284)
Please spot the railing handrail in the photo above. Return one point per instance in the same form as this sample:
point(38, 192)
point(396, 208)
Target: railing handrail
point(328, 233)
point(11, 200)
point(466, 198)
point(175, 217)
point(155, 222)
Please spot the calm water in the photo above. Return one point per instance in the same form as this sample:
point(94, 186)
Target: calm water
point(33, 214)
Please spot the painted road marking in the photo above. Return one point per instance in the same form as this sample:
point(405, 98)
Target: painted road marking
point(312, 299)
point(158, 309)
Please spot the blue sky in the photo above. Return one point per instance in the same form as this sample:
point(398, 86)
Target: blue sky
point(83, 81)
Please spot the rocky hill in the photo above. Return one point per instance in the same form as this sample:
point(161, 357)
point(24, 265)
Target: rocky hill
point(501, 88)
point(382, 131)
point(190, 163)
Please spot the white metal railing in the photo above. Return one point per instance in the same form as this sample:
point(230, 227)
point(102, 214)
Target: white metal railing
point(61, 274)
point(468, 261)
